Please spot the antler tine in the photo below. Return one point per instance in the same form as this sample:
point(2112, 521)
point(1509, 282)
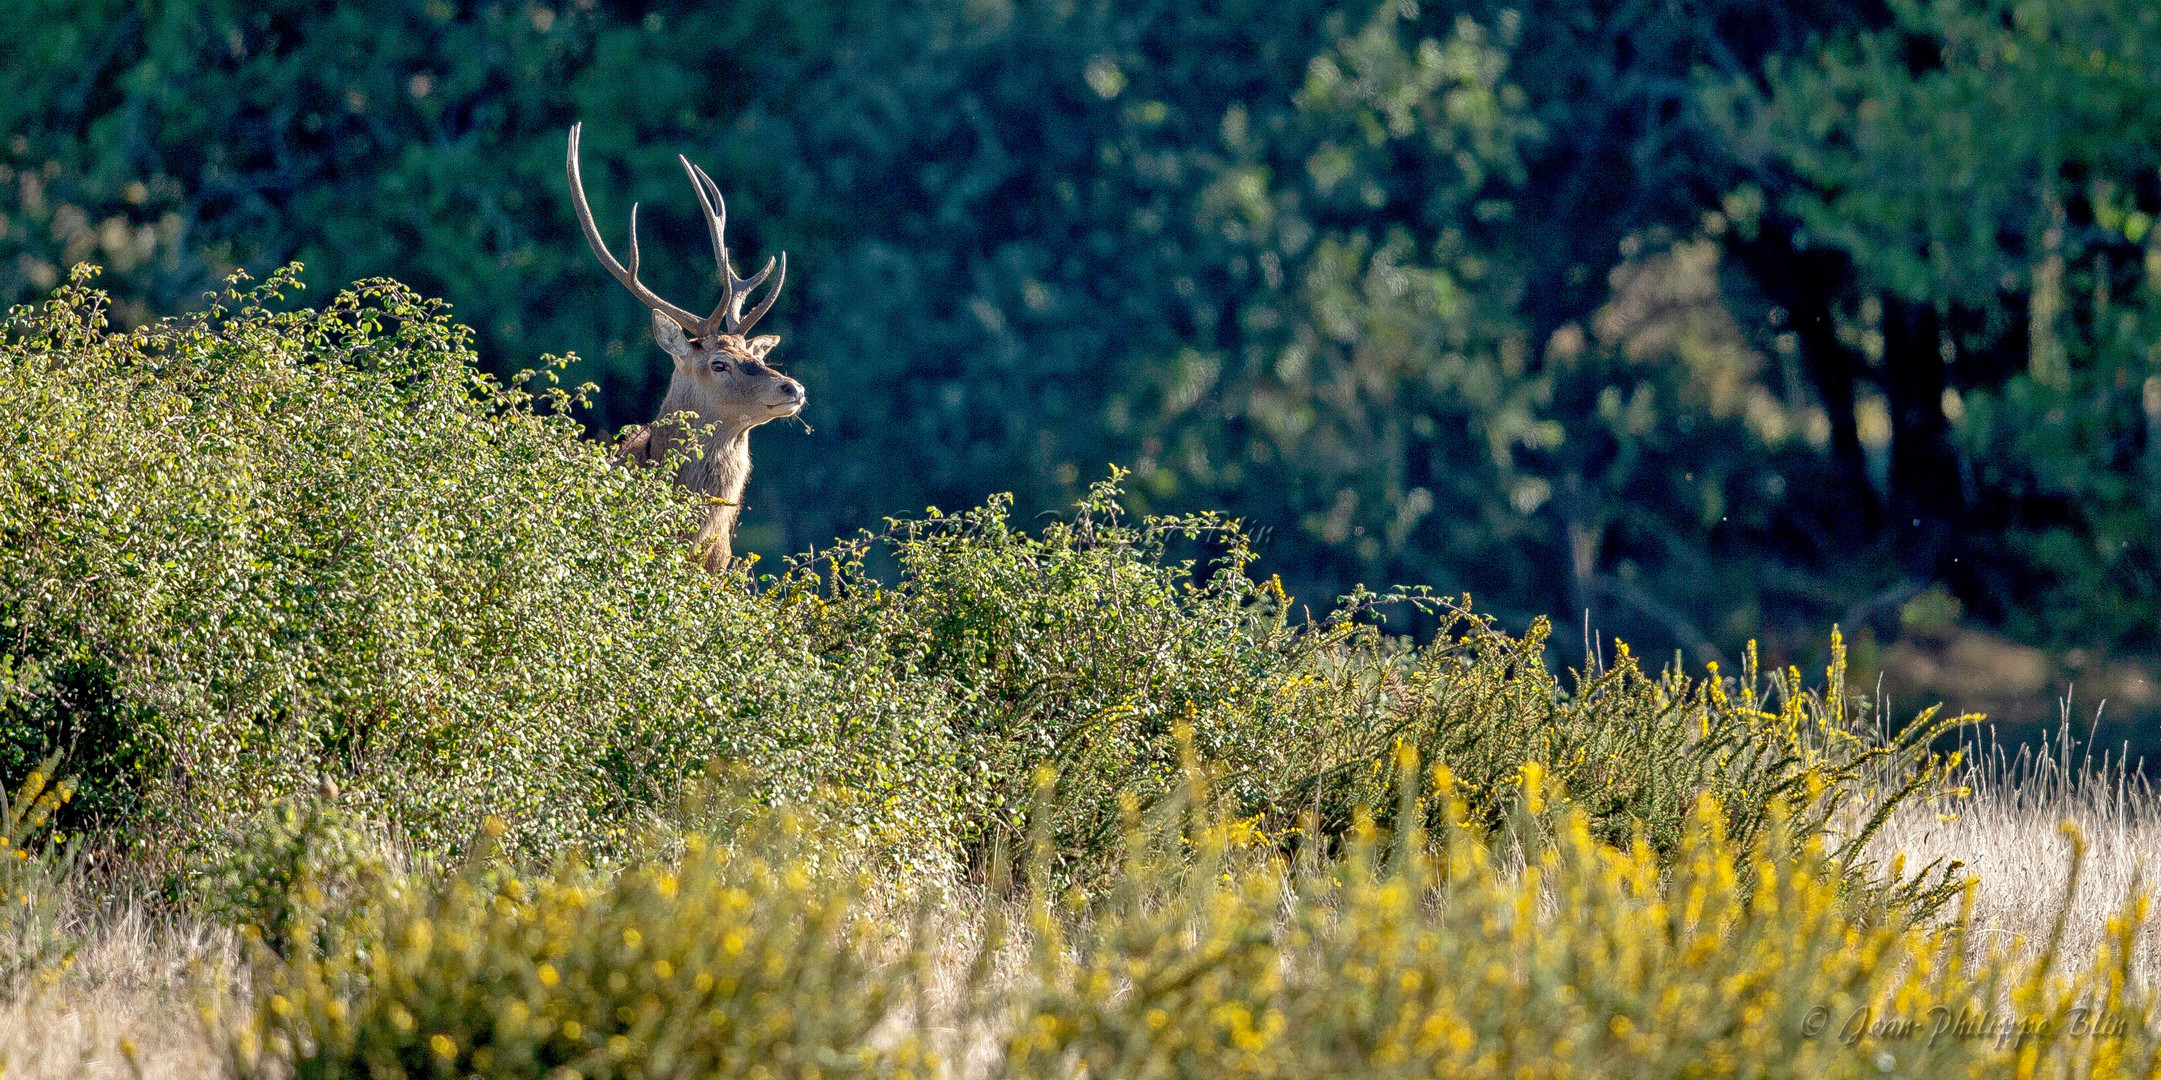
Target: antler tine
point(743, 325)
point(634, 241)
point(750, 285)
point(716, 226)
point(628, 277)
point(735, 290)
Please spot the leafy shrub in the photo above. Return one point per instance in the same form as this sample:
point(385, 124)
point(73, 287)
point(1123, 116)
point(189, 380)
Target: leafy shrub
point(319, 544)
point(66, 700)
point(1087, 648)
point(250, 551)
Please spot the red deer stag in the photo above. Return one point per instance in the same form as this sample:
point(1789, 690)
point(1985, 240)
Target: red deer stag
point(722, 385)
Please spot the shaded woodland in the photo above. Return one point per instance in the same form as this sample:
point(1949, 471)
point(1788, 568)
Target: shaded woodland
point(1714, 321)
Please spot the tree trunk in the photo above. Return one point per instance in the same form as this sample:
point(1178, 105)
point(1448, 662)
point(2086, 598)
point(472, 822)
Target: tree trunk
point(1805, 284)
point(1925, 501)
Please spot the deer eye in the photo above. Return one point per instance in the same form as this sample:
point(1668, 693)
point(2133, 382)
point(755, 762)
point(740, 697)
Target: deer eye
point(720, 367)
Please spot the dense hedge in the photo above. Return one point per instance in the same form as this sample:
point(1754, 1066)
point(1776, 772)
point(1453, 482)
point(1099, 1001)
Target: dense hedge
point(253, 554)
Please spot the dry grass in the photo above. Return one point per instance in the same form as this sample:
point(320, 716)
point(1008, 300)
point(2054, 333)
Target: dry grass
point(2009, 833)
point(136, 983)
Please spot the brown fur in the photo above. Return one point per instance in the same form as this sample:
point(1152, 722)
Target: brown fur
point(715, 410)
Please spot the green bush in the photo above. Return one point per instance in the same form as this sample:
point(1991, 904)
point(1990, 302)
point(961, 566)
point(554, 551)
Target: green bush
point(1086, 648)
point(1089, 650)
point(251, 552)
point(320, 545)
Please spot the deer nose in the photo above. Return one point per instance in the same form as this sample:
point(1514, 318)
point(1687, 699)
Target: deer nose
point(793, 388)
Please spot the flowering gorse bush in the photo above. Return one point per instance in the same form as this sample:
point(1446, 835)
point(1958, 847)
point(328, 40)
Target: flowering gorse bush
point(732, 960)
point(1538, 950)
point(1528, 950)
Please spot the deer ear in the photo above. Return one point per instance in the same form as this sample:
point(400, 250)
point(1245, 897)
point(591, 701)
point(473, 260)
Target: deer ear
point(760, 345)
point(671, 337)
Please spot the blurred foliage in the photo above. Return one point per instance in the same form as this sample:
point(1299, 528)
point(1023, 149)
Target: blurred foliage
point(1532, 950)
point(736, 959)
point(1441, 954)
point(1427, 293)
point(38, 863)
point(1990, 170)
point(291, 862)
point(317, 553)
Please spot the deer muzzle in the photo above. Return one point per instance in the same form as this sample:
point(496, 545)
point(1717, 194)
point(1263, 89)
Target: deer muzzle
point(786, 399)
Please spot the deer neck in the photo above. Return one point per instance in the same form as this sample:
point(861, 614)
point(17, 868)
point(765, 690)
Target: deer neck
point(722, 466)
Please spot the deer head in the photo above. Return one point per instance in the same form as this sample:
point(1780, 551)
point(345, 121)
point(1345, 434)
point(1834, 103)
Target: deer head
point(721, 377)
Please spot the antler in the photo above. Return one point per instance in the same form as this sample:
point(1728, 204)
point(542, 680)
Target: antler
point(716, 223)
point(728, 315)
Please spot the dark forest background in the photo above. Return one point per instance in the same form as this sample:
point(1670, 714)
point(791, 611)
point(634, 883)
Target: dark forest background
point(1715, 320)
